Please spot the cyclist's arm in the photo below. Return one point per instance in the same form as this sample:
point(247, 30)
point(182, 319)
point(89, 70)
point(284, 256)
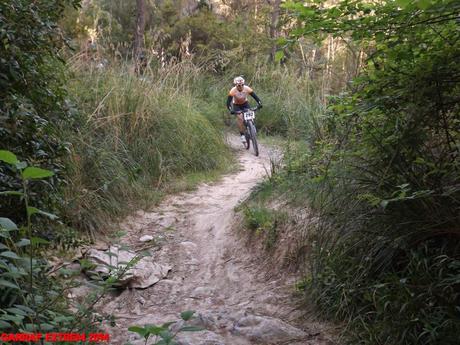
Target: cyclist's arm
point(253, 94)
point(229, 102)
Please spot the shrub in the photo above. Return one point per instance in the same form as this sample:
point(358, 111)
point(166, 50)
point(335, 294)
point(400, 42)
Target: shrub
point(384, 177)
point(32, 97)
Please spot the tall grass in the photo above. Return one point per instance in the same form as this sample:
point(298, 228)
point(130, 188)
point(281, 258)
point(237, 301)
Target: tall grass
point(292, 102)
point(134, 136)
point(381, 185)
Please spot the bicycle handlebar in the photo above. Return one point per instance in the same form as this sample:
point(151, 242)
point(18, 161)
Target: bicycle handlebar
point(242, 111)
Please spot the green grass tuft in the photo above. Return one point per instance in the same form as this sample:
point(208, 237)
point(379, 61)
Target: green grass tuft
point(135, 139)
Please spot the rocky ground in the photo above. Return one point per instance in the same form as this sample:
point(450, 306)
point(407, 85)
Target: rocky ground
point(199, 262)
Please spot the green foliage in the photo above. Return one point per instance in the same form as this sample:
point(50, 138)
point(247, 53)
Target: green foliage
point(219, 41)
point(32, 97)
point(136, 136)
point(265, 222)
point(25, 288)
point(291, 101)
point(173, 32)
point(165, 334)
point(383, 175)
point(33, 299)
point(109, 22)
point(368, 21)
point(415, 303)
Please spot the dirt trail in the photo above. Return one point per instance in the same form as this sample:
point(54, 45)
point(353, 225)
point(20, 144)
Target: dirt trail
point(213, 272)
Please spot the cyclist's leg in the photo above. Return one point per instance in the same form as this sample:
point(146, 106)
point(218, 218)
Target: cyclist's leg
point(239, 122)
point(238, 109)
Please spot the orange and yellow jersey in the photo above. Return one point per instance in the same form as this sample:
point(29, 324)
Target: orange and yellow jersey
point(240, 97)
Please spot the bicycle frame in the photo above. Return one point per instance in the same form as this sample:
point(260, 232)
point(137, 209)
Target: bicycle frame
point(249, 116)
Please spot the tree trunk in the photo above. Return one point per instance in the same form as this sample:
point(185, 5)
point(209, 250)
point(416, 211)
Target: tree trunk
point(138, 48)
point(274, 26)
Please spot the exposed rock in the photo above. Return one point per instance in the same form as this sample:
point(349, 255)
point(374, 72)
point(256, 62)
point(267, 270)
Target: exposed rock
point(140, 213)
point(151, 215)
point(167, 222)
point(200, 338)
point(80, 291)
point(267, 330)
point(206, 321)
point(201, 292)
point(192, 262)
point(100, 245)
point(146, 238)
point(135, 339)
point(144, 274)
point(189, 246)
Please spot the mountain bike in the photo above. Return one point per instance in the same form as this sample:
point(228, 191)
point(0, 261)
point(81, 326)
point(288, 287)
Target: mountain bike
point(251, 132)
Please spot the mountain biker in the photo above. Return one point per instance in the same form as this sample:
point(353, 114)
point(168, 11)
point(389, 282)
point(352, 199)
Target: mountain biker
point(239, 96)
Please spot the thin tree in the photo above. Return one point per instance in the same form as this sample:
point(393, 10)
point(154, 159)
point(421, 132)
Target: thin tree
point(138, 49)
point(274, 26)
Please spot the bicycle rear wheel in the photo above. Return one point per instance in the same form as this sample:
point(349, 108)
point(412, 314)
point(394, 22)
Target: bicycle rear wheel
point(253, 134)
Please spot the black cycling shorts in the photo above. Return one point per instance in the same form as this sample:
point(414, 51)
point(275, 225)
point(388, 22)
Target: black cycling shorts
point(238, 108)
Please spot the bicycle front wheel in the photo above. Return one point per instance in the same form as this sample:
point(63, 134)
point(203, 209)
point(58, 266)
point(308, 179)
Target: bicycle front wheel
point(247, 135)
point(253, 134)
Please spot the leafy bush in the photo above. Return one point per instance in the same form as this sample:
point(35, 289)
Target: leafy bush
point(384, 176)
point(31, 299)
point(32, 97)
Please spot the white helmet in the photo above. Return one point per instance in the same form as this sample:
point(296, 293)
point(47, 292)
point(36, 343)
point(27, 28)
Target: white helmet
point(238, 81)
